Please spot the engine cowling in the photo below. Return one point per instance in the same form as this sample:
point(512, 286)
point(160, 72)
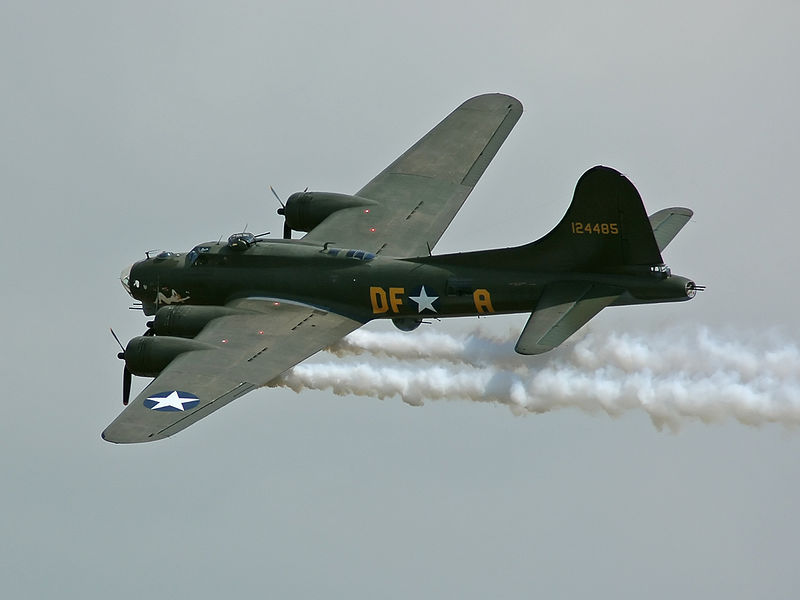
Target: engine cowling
point(147, 356)
point(306, 210)
point(187, 321)
point(407, 323)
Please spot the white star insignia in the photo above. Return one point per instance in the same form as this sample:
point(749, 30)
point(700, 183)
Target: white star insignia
point(424, 301)
point(173, 400)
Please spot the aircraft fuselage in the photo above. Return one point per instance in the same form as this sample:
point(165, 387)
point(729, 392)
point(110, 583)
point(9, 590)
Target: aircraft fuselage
point(363, 286)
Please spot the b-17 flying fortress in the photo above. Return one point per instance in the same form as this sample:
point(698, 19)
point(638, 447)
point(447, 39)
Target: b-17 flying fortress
point(231, 316)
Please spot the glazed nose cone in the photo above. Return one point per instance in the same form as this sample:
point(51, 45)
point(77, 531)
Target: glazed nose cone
point(124, 277)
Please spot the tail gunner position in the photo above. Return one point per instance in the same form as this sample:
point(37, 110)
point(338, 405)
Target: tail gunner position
point(232, 316)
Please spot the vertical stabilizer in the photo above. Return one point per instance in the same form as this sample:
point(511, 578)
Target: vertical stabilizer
point(606, 225)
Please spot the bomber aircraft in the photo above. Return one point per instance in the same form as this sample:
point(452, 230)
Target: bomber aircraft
point(231, 316)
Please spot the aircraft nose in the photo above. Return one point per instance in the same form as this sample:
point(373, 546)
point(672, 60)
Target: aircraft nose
point(124, 277)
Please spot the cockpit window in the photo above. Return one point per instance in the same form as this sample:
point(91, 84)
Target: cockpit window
point(193, 255)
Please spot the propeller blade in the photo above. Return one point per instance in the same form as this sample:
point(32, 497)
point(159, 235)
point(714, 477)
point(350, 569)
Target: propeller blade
point(116, 338)
point(126, 374)
point(126, 386)
point(287, 231)
point(278, 198)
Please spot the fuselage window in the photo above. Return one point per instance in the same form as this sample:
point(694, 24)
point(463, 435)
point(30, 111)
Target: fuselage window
point(661, 269)
point(356, 254)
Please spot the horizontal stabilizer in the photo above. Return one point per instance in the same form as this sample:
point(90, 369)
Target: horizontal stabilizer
point(667, 223)
point(563, 308)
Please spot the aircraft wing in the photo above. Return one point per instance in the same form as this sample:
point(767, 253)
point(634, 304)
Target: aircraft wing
point(420, 192)
point(563, 308)
point(667, 223)
point(245, 351)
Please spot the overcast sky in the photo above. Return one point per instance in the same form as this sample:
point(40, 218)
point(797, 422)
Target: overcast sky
point(132, 126)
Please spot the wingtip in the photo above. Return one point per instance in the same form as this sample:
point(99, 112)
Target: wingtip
point(493, 101)
point(107, 438)
point(120, 437)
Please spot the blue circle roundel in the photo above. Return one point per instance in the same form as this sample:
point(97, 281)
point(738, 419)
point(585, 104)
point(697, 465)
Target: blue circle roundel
point(172, 401)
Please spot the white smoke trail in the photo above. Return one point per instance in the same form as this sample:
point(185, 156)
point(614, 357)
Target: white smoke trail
point(671, 375)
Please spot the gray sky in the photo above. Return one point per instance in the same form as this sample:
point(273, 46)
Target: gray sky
point(131, 126)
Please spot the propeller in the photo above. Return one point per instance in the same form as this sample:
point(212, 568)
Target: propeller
point(287, 231)
point(278, 198)
point(126, 374)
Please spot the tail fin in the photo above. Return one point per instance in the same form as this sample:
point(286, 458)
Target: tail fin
point(605, 227)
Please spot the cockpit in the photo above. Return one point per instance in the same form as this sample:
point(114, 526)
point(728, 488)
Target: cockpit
point(195, 253)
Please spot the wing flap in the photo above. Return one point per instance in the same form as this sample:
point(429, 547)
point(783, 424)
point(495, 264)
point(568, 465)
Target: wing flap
point(563, 308)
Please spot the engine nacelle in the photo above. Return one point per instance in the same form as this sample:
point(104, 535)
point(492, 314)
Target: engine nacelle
point(306, 210)
point(187, 321)
point(406, 323)
point(147, 356)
